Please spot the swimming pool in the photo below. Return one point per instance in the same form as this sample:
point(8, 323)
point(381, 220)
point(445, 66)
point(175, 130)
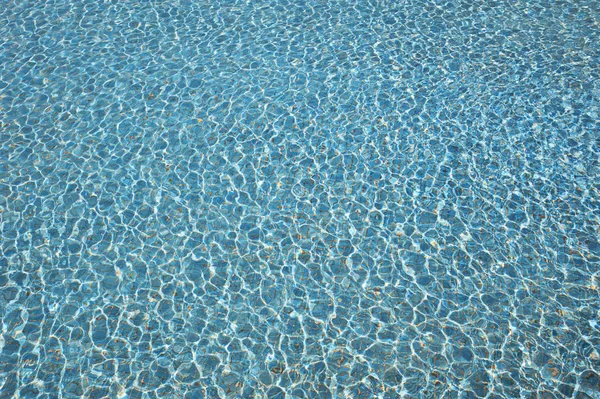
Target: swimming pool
point(299, 199)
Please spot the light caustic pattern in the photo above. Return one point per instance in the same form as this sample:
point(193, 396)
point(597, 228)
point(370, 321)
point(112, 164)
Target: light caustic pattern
point(299, 199)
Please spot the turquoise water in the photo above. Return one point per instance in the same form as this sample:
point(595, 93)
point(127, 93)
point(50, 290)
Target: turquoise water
point(308, 199)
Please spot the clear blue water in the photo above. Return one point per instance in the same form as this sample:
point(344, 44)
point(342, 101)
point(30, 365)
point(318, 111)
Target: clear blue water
point(299, 199)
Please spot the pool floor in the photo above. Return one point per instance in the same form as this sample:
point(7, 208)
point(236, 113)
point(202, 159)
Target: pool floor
point(300, 199)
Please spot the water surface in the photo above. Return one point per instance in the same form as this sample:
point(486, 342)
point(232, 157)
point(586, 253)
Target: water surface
point(299, 199)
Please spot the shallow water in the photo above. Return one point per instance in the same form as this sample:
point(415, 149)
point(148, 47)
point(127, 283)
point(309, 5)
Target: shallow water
point(308, 199)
